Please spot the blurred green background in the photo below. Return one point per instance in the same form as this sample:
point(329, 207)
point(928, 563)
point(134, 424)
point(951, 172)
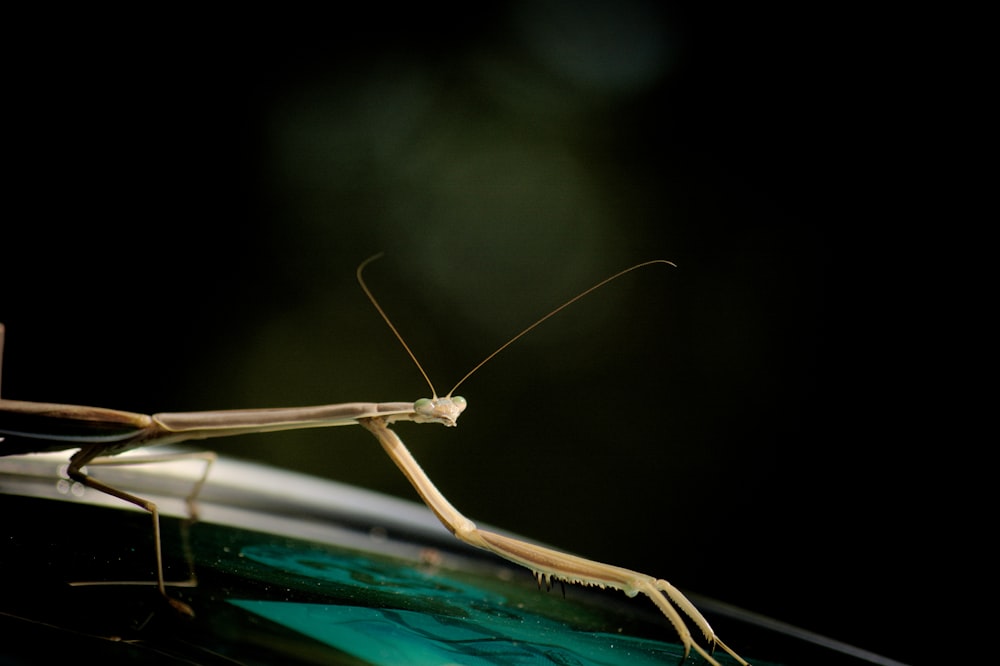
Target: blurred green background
point(189, 196)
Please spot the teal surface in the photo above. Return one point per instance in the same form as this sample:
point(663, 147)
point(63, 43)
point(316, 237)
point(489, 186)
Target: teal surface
point(437, 619)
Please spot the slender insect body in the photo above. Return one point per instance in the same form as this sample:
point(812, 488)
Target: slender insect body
point(28, 427)
point(100, 433)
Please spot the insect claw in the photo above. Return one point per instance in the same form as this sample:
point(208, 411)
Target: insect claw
point(547, 579)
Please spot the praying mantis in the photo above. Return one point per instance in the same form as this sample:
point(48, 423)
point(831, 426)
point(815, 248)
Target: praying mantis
point(98, 434)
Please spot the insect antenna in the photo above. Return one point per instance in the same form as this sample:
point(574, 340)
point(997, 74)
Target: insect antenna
point(371, 297)
point(550, 314)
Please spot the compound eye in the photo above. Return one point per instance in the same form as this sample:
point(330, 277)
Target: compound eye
point(459, 402)
point(423, 406)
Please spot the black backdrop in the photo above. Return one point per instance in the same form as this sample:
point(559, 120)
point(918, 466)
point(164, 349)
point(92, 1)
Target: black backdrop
point(188, 197)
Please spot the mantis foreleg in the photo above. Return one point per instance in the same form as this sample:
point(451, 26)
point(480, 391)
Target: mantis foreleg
point(547, 563)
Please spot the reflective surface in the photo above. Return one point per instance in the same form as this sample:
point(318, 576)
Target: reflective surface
point(289, 569)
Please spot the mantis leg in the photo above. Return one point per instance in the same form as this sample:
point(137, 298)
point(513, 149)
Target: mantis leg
point(88, 456)
point(548, 564)
point(208, 457)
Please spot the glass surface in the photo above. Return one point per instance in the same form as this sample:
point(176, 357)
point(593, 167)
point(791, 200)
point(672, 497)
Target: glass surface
point(290, 569)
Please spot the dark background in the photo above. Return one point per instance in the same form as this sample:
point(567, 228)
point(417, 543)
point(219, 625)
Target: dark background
point(188, 198)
